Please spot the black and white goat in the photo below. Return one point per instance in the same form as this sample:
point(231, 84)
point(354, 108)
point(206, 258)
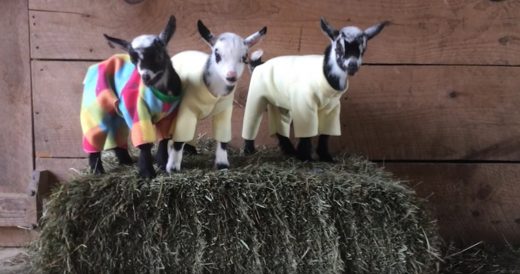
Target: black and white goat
point(137, 92)
point(306, 91)
point(209, 82)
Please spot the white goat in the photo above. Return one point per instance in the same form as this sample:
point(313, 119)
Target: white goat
point(305, 90)
point(209, 83)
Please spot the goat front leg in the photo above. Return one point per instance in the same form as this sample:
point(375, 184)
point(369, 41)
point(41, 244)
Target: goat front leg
point(285, 145)
point(145, 162)
point(161, 157)
point(123, 157)
point(323, 149)
point(221, 156)
point(249, 147)
point(94, 161)
point(305, 149)
point(175, 157)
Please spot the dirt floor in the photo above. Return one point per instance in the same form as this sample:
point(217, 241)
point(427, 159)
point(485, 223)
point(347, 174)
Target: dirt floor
point(14, 260)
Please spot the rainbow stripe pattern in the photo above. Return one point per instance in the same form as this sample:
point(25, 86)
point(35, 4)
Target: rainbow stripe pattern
point(116, 103)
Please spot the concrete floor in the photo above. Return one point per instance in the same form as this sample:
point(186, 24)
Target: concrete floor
point(14, 260)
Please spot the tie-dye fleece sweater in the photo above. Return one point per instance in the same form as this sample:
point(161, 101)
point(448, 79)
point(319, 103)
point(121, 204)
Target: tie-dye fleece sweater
point(116, 102)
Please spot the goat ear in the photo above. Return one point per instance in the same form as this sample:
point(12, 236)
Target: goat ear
point(120, 42)
point(205, 33)
point(169, 30)
point(254, 38)
point(330, 31)
point(374, 30)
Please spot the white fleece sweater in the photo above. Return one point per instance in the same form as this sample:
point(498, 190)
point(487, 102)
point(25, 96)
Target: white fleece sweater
point(197, 102)
point(292, 88)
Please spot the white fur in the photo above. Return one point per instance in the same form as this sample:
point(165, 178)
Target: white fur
point(231, 49)
point(350, 33)
point(221, 156)
point(174, 159)
point(257, 54)
point(143, 41)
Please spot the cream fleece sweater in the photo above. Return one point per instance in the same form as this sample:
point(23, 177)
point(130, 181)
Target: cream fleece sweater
point(292, 88)
point(197, 102)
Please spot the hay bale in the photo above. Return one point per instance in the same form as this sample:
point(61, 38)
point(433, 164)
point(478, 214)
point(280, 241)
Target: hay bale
point(265, 215)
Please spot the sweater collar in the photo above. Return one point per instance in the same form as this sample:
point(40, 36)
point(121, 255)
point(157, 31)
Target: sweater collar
point(164, 97)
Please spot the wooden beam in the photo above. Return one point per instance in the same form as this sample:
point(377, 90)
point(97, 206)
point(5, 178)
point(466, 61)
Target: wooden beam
point(14, 237)
point(423, 32)
point(15, 97)
point(61, 169)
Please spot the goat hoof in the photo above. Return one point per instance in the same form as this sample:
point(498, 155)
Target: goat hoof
point(161, 163)
point(98, 170)
point(249, 151)
point(147, 174)
point(327, 158)
point(190, 150)
point(221, 166)
point(305, 158)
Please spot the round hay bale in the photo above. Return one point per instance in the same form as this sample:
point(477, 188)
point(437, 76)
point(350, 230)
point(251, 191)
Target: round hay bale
point(265, 215)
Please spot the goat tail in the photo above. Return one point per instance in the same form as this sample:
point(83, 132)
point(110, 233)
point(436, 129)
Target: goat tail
point(255, 59)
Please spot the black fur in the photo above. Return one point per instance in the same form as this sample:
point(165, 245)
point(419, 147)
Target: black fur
point(178, 145)
point(223, 146)
point(169, 30)
point(95, 163)
point(333, 80)
point(205, 33)
point(323, 149)
point(249, 147)
point(190, 150)
point(285, 145)
point(304, 149)
point(123, 157)
point(145, 162)
point(331, 32)
point(161, 157)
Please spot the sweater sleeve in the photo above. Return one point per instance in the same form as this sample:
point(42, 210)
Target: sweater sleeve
point(305, 115)
point(256, 104)
point(222, 125)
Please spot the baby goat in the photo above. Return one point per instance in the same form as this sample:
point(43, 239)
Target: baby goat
point(209, 83)
point(137, 92)
point(306, 91)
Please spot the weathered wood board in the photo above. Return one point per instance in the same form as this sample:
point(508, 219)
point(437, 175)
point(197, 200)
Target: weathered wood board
point(423, 32)
point(15, 97)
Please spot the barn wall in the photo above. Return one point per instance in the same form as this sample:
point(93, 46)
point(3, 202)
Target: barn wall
point(436, 102)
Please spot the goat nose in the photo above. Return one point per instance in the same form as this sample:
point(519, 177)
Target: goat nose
point(146, 77)
point(352, 66)
point(231, 79)
point(231, 74)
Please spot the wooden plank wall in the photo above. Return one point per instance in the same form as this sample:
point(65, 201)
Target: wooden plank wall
point(436, 102)
point(17, 208)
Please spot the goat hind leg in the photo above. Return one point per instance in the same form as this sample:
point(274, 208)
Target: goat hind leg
point(304, 150)
point(95, 163)
point(145, 162)
point(323, 149)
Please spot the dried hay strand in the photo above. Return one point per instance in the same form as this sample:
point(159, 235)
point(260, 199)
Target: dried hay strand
point(264, 215)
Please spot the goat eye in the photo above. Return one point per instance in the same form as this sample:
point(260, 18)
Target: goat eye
point(217, 57)
point(244, 59)
point(134, 57)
